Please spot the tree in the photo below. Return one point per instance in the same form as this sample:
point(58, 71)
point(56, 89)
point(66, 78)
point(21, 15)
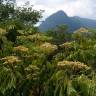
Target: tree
point(17, 18)
point(59, 34)
point(25, 15)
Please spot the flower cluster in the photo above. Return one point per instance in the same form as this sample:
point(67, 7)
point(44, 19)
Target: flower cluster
point(73, 66)
point(21, 37)
point(67, 45)
point(21, 48)
point(39, 37)
point(48, 47)
point(11, 60)
point(34, 70)
point(32, 67)
point(2, 31)
point(70, 45)
point(33, 36)
point(82, 30)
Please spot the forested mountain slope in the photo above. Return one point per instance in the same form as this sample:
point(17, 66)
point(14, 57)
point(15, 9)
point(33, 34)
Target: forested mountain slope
point(60, 18)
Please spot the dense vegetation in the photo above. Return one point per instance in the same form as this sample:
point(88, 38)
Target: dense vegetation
point(55, 63)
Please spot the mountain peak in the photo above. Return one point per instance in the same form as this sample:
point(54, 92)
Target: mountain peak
point(61, 12)
point(61, 18)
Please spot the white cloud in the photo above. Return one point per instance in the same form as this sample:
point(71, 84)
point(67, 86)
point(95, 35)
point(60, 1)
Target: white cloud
point(83, 8)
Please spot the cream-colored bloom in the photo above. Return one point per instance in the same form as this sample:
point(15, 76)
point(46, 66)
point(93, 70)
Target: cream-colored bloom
point(11, 60)
point(67, 45)
point(74, 66)
point(2, 31)
point(33, 36)
point(82, 30)
point(32, 67)
point(21, 48)
point(48, 47)
point(21, 38)
point(39, 37)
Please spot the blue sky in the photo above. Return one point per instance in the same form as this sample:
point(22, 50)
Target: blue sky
point(82, 8)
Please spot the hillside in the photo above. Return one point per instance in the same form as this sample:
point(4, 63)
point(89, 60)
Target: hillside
point(60, 18)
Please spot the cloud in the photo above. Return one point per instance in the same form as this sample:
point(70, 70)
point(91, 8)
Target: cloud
point(82, 8)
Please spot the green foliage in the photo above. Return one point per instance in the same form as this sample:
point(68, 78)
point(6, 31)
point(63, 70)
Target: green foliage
point(25, 15)
point(55, 63)
point(59, 34)
point(35, 65)
point(6, 11)
point(85, 86)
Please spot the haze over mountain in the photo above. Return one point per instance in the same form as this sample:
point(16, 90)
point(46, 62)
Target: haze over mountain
point(60, 18)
